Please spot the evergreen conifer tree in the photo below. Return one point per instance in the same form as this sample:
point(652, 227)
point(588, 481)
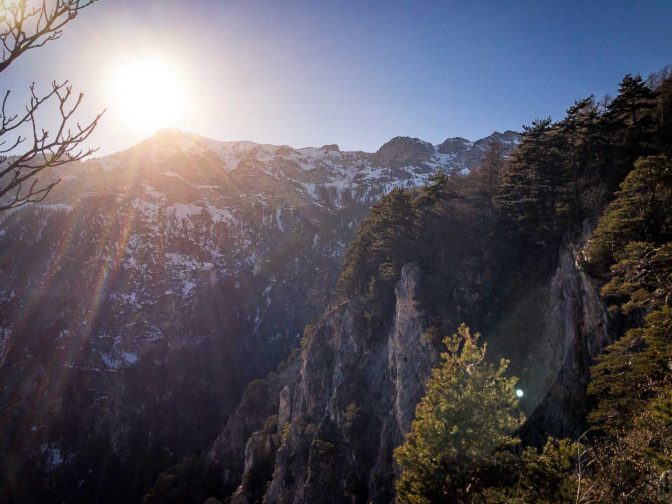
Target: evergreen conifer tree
point(468, 412)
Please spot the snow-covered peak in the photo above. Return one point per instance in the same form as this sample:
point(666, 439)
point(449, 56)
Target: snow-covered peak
point(454, 145)
point(190, 169)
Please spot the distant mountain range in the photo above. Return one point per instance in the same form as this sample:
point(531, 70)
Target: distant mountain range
point(321, 175)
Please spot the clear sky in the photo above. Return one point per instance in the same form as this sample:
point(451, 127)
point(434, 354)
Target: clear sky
point(354, 73)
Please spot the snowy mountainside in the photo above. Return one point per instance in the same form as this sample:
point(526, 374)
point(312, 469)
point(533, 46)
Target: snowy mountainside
point(321, 176)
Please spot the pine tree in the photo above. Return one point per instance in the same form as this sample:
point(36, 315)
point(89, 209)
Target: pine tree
point(529, 191)
point(551, 476)
point(640, 212)
point(632, 372)
point(583, 147)
point(633, 238)
point(632, 124)
point(467, 413)
point(630, 111)
point(377, 254)
point(487, 177)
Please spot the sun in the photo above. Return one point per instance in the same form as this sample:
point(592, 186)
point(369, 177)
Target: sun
point(147, 95)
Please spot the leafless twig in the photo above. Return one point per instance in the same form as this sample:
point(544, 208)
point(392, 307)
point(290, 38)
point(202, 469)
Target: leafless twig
point(26, 24)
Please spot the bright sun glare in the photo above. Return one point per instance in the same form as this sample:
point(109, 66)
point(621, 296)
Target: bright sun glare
point(148, 95)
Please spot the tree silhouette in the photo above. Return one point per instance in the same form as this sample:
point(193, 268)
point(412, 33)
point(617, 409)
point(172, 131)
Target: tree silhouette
point(25, 25)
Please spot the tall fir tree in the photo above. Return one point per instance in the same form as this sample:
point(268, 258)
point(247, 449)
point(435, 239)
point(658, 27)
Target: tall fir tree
point(632, 126)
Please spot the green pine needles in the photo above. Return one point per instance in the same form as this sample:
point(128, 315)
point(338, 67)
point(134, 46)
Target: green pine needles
point(470, 410)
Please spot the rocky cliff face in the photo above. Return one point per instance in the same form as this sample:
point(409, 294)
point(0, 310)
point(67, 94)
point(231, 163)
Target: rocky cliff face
point(351, 403)
point(353, 400)
point(576, 327)
point(355, 395)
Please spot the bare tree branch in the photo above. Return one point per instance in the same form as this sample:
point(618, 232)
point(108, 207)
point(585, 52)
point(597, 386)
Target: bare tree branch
point(26, 24)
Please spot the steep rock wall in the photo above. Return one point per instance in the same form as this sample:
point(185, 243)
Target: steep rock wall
point(352, 401)
point(356, 393)
point(577, 327)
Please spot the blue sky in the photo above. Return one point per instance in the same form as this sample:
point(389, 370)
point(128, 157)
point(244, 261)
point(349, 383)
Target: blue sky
point(356, 73)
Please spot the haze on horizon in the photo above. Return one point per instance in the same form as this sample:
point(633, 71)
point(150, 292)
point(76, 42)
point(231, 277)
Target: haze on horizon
point(356, 74)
